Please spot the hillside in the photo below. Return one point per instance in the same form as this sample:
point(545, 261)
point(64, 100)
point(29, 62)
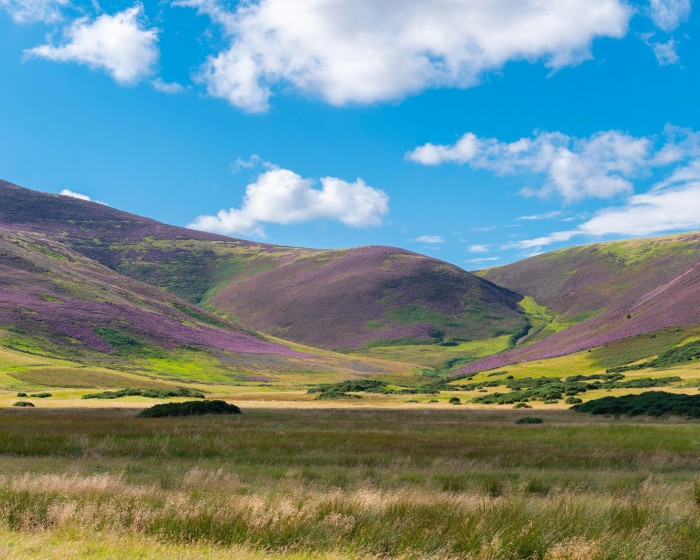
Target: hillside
point(333, 299)
point(577, 283)
point(646, 285)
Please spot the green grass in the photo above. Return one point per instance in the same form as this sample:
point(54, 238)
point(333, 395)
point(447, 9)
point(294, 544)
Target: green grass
point(349, 484)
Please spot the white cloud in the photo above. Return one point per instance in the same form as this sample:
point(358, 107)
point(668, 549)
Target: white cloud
point(72, 194)
point(601, 165)
point(80, 196)
point(672, 205)
point(667, 15)
point(483, 259)
point(365, 51)
point(167, 87)
point(478, 248)
point(545, 216)
point(29, 11)
point(281, 196)
point(119, 44)
point(432, 239)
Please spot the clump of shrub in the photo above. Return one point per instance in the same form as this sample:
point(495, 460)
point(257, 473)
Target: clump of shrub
point(522, 405)
point(573, 400)
point(21, 395)
point(24, 403)
point(150, 393)
point(454, 400)
point(41, 395)
point(552, 389)
point(651, 403)
point(189, 408)
point(529, 420)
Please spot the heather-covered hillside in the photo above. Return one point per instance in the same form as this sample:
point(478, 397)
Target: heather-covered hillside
point(335, 299)
point(352, 297)
point(580, 282)
point(672, 303)
point(60, 298)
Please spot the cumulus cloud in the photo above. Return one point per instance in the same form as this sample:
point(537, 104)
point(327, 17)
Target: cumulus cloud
point(119, 44)
point(672, 205)
point(30, 11)
point(280, 196)
point(667, 15)
point(601, 165)
point(431, 239)
point(364, 51)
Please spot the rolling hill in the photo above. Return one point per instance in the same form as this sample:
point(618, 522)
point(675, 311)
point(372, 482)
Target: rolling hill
point(328, 298)
point(626, 288)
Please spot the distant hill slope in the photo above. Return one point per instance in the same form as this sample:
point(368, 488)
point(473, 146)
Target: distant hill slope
point(655, 295)
point(352, 297)
point(577, 283)
point(52, 292)
point(334, 299)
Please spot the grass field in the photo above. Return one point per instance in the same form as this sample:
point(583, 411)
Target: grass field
point(347, 483)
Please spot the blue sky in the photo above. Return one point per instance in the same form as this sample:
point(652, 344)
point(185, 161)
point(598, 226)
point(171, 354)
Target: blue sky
point(475, 131)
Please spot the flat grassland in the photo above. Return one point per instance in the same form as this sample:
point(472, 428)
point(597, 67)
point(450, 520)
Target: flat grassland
point(347, 483)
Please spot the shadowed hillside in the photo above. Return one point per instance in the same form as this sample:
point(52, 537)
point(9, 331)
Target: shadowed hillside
point(334, 299)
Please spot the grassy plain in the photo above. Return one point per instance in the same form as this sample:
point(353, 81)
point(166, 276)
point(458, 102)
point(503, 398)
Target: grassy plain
point(347, 483)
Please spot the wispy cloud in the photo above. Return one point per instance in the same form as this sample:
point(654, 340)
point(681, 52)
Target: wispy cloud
point(667, 15)
point(672, 205)
point(544, 216)
point(30, 11)
point(478, 248)
point(483, 260)
point(430, 239)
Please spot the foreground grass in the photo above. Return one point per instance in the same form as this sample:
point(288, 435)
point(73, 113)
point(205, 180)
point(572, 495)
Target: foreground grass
point(347, 484)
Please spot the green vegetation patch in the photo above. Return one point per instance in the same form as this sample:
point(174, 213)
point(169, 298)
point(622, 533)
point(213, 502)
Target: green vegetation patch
point(149, 393)
point(529, 420)
point(652, 403)
point(673, 357)
point(24, 404)
point(415, 313)
point(189, 408)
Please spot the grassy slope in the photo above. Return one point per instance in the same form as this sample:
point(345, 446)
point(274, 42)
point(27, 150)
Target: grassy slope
point(350, 484)
point(338, 299)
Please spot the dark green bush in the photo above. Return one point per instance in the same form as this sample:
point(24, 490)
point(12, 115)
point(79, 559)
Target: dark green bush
point(529, 420)
point(522, 405)
point(150, 393)
point(455, 400)
point(24, 403)
point(189, 408)
point(21, 394)
point(573, 400)
point(41, 395)
point(651, 403)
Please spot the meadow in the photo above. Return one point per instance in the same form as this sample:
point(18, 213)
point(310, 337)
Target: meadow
point(341, 483)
